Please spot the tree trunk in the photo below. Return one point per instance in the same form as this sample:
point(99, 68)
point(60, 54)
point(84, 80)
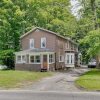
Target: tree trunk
point(98, 61)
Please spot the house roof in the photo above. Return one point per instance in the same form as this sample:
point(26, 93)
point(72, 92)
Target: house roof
point(35, 50)
point(57, 34)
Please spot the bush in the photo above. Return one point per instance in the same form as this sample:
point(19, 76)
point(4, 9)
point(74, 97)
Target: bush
point(7, 58)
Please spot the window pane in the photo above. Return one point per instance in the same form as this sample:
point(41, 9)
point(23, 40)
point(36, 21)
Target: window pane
point(32, 59)
point(68, 59)
point(18, 58)
point(23, 59)
point(71, 59)
point(37, 59)
point(51, 58)
point(31, 43)
point(43, 42)
point(61, 58)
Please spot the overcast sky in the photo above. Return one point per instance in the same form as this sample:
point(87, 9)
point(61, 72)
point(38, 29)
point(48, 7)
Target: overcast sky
point(75, 7)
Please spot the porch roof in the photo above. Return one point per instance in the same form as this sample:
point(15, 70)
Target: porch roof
point(35, 51)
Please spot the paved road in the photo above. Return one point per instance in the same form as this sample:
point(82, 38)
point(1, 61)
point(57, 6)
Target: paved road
point(61, 81)
point(30, 95)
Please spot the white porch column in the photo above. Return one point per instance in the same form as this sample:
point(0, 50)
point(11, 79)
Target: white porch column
point(48, 61)
point(41, 58)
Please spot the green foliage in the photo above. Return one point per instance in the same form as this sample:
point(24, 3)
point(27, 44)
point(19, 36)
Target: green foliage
point(90, 80)
point(7, 58)
point(18, 17)
point(88, 27)
point(93, 41)
point(16, 79)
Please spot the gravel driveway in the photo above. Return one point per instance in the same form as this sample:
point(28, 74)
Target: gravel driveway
point(61, 81)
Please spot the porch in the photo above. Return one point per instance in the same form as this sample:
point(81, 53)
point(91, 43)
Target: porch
point(36, 60)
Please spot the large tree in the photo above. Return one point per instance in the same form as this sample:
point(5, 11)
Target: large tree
point(93, 41)
point(88, 23)
point(19, 16)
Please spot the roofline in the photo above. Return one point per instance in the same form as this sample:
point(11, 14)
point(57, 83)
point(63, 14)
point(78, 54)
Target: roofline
point(57, 34)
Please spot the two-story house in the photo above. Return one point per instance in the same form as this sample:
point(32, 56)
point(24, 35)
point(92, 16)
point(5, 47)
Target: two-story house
point(44, 49)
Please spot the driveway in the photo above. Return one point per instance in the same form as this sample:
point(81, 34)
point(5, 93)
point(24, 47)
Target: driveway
point(60, 81)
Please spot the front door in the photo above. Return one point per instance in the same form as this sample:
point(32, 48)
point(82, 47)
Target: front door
point(45, 62)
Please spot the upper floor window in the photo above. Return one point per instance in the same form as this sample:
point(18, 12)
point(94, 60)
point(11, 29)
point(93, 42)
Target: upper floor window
point(72, 46)
point(43, 42)
point(67, 45)
point(61, 58)
point(31, 43)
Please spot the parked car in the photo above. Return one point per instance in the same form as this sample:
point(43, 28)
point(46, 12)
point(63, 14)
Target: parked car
point(92, 64)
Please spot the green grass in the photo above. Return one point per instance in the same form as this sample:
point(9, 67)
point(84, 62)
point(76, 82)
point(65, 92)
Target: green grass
point(14, 79)
point(90, 80)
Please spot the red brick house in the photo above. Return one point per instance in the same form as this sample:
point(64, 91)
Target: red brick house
point(44, 49)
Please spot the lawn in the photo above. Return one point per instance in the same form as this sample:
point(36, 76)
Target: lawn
point(15, 79)
point(90, 80)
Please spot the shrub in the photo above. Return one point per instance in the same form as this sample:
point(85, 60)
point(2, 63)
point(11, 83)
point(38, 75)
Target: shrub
point(7, 58)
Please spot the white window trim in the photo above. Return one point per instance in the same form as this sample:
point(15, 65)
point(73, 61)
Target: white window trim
point(34, 58)
point(52, 58)
point(21, 62)
point(45, 42)
point(30, 43)
point(71, 58)
point(18, 62)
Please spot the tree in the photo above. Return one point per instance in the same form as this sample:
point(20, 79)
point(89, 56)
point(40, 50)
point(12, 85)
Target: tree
point(7, 58)
point(93, 41)
point(88, 23)
point(19, 16)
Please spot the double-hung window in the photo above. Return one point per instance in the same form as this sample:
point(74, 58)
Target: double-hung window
point(69, 59)
point(18, 59)
point(32, 59)
point(43, 42)
point(35, 59)
point(21, 59)
point(61, 58)
point(31, 43)
point(51, 58)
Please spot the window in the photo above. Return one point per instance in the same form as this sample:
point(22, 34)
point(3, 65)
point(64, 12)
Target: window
point(35, 59)
point(51, 58)
point(23, 59)
point(31, 43)
point(43, 42)
point(32, 59)
point(67, 45)
point(61, 58)
point(18, 59)
point(69, 59)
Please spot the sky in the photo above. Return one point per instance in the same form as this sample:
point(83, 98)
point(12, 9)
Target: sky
point(75, 7)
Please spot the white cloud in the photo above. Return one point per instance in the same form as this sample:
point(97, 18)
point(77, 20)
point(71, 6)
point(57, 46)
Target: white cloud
point(75, 7)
